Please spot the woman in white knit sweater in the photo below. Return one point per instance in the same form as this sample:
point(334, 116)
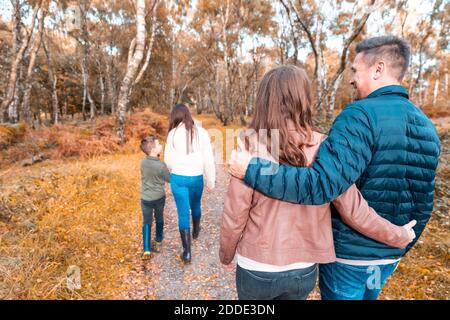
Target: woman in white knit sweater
point(189, 156)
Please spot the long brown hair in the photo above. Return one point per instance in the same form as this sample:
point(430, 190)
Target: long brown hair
point(181, 114)
point(283, 102)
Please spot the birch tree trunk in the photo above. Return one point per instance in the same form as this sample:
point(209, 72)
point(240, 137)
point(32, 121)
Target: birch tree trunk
point(85, 63)
point(420, 93)
point(102, 94)
point(83, 104)
point(13, 109)
point(111, 87)
point(446, 79)
point(320, 78)
point(16, 26)
point(132, 69)
point(332, 101)
point(435, 91)
point(86, 93)
point(13, 113)
point(323, 88)
point(26, 109)
point(418, 82)
point(314, 42)
point(173, 73)
point(150, 44)
point(227, 99)
point(54, 81)
point(357, 29)
point(11, 88)
point(92, 107)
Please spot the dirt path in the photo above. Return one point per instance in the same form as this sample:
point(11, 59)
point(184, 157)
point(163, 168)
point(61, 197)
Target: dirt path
point(166, 277)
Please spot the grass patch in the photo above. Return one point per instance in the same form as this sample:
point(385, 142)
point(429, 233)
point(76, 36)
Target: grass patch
point(62, 214)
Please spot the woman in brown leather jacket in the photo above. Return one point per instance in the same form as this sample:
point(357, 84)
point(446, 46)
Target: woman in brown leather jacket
point(279, 244)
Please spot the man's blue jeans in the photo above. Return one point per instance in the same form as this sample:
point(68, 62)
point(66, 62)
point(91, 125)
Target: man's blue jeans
point(338, 281)
point(187, 192)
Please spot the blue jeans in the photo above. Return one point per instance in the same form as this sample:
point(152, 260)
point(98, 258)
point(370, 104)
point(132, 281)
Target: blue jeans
point(187, 192)
point(287, 285)
point(338, 281)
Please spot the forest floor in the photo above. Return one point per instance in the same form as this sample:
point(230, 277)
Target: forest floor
point(86, 213)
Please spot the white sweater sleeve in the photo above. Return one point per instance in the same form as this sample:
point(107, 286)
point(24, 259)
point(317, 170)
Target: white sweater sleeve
point(208, 159)
point(169, 151)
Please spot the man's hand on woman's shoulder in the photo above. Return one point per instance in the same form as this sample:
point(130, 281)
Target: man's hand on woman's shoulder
point(239, 161)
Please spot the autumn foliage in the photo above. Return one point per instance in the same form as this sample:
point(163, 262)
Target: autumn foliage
point(77, 139)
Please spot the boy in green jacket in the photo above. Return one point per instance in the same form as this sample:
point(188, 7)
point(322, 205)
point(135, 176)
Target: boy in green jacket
point(154, 173)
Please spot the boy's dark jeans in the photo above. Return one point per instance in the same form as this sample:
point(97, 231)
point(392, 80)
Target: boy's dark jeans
point(286, 285)
point(156, 208)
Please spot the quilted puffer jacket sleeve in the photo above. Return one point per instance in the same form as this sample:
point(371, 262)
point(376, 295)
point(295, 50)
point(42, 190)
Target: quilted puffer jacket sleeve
point(342, 158)
point(425, 208)
point(355, 212)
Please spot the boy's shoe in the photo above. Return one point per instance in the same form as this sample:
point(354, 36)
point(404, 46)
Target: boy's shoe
point(157, 245)
point(147, 255)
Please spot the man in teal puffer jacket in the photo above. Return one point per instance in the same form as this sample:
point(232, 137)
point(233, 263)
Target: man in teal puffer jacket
point(381, 142)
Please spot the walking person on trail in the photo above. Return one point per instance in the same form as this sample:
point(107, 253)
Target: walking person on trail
point(189, 156)
point(154, 174)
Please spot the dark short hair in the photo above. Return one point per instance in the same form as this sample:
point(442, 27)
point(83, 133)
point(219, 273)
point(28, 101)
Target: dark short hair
point(147, 144)
point(395, 50)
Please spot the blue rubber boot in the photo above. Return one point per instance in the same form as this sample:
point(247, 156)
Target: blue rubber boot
point(146, 240)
